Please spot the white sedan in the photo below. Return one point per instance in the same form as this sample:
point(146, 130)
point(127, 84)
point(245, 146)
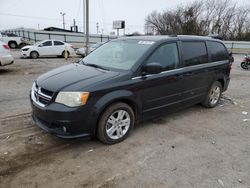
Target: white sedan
point(5, 57)
point(48, 48)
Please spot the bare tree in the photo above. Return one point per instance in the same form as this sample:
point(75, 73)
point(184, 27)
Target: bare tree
point(202, 18)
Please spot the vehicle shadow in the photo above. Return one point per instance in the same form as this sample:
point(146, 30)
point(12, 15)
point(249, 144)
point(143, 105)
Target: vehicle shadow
point(5, 71)
point(166, 118)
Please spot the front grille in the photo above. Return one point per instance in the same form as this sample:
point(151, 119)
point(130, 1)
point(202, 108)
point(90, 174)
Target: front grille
point(47, 92)
point(41, 96)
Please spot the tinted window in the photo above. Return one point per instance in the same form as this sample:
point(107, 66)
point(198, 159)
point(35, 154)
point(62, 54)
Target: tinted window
point(58, 43)
point(166, 55)
point(194, 53)
point(218, 51)
point(47, 43)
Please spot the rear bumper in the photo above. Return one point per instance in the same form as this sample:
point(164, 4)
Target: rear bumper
point(6, 60)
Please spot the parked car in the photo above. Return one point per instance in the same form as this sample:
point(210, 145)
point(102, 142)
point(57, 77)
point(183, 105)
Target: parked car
point(47, 48)
point(12, 41)
point(82, 51)
point(5, 57)
point(128, 80)
point(95, 46)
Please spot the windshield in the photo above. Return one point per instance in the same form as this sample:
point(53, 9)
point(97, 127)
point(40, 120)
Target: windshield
point(120, 54)
point(37, 43)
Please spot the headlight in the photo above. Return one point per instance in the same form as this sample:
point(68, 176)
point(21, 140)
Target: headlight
point(72, 99)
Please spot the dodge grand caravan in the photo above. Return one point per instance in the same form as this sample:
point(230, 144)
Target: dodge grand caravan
point(128, 80)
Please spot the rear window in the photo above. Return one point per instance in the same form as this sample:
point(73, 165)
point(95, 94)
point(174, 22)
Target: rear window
point(218, 51)
point(194, 53)
point(58, 43)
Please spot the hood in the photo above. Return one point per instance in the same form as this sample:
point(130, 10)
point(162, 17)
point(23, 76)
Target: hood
point(25, 47)
point(67, 77)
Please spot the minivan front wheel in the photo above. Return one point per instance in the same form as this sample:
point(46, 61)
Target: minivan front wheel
point(115, 123)
point(213, 95)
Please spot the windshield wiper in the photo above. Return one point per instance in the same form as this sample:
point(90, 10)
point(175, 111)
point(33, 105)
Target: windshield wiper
point(94, 65)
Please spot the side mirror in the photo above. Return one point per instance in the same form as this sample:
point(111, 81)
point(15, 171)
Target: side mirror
point(40, 45)
point(152, 68)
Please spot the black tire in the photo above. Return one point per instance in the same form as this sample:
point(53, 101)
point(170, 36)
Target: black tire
point(209, 102)
point(103, 124)
point(22, 45)
point(12, 44)
point(244, 65)
point(64, 54)
point(34, 55)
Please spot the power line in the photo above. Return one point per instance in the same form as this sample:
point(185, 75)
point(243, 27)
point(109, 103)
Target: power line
point(66, 20)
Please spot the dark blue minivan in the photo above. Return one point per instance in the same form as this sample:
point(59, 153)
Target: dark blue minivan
point(128, 80)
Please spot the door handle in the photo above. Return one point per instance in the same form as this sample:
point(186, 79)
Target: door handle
point(180, 76)
point(189, 74)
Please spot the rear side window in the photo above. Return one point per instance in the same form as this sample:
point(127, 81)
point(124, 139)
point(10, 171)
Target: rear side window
point(218, 51)
point(194, 53)
point(167, 55)
point(58, 43)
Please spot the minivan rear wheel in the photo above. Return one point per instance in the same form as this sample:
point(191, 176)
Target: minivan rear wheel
point(115, 123)
point(213, 95)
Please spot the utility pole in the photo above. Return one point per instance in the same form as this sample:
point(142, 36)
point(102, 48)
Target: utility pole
point(97, 28)
point(84, 16)
point(87, 26)
point(63, 14)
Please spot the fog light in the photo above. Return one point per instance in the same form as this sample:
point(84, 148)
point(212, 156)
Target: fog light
point(64, 129)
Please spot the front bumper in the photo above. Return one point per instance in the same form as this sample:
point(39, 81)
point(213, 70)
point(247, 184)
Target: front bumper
point(24, 53)
point(63, 121)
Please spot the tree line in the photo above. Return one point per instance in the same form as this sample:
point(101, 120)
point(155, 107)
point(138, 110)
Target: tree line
point(203, 17)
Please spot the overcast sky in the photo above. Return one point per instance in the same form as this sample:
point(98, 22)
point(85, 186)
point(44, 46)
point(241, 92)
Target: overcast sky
point(45, 13)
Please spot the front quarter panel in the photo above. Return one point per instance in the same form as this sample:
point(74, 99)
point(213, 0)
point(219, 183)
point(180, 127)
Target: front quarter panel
point(114, 96)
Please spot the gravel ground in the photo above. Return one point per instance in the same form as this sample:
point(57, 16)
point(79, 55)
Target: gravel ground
point(195, 147)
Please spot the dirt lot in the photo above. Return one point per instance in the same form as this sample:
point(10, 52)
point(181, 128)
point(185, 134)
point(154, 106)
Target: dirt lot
point(196, 147)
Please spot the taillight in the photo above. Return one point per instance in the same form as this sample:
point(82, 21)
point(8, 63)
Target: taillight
point(6, 46)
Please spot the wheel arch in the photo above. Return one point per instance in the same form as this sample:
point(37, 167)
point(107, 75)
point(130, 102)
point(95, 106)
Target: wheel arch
point(220, 78)
point(123, 96)
point(34, 51)
point(64, 51)
point(222, 82)
point(12, 41)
